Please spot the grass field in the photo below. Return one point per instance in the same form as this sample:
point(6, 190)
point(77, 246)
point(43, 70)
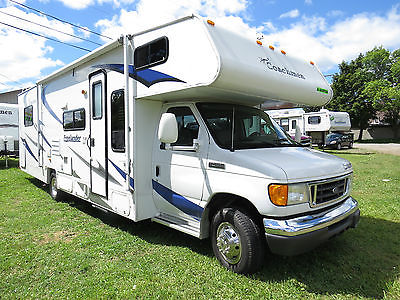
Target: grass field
point(69, 249)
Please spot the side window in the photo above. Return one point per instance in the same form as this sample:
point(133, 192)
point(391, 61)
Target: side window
point(151, 54)
point(97, 100)
point(118, 121)
point(28, 116)
point(285, 124)
point(314, 120)
point(74, 119)
point(188, 128)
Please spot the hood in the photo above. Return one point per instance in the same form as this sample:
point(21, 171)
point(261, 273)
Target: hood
point(299, 164)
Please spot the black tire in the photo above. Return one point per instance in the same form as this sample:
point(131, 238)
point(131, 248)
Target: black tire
point(237, 241)
point(339, 146)
point(55, 193)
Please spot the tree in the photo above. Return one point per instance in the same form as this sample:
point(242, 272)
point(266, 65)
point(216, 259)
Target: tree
point(348, 87)
point(384, 89)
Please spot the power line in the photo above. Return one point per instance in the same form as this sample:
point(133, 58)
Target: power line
point(46, 37)
point(11, 79)
point(58, 19)
point(83, 39)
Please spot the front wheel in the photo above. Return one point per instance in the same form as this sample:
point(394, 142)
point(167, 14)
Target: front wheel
point(237, 241)
point(339, 146)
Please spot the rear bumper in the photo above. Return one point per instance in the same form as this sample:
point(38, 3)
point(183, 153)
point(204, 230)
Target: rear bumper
point(301, 234)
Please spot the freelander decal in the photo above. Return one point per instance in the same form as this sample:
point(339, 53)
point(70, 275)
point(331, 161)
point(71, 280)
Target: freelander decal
point(147, 77)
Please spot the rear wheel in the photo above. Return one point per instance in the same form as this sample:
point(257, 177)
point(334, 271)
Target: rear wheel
point(339, 146)
point(54, 192)
point(236, 241)
point(351, 145)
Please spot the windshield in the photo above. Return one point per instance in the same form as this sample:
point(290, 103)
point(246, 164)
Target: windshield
point(252, 127)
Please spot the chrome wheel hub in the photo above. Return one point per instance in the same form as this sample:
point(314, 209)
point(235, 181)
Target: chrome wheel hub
point(53, 187)
point(228, 243)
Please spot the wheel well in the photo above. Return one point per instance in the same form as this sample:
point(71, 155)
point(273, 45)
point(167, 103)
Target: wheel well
point(49, 172)
point(222, 200)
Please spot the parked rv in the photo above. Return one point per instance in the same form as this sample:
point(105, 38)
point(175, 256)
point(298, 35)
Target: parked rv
point(319, 124)
point(161, 125)
point(9, 129)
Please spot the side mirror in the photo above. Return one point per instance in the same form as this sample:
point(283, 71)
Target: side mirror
point(168, 129)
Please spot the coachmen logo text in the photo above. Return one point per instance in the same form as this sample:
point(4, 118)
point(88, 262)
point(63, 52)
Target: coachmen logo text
point(282, 70)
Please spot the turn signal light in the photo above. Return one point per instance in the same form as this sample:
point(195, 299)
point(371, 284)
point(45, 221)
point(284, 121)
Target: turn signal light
point(259, 42)
point(283, 52)
point(210, 22)
point(278, 194)
point(271, 47)
point(311, 62)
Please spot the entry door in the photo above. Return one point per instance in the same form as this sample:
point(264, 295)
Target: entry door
point(98, 134)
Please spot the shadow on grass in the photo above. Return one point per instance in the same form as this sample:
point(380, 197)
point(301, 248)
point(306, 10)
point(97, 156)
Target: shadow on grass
point(149, 231)
point(362, 262)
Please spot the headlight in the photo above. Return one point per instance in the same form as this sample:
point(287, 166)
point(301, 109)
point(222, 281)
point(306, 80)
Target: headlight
point(298, 193)
point(288, 194)
point(333, 142)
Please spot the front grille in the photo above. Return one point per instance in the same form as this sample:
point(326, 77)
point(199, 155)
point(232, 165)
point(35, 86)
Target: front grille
point(329, 191)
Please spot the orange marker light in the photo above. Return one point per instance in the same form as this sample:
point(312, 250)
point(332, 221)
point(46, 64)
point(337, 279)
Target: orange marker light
point(278, 194)
point(211, 22)
point(259, 42)
point(311, 62)
point(283, 52)
point(271, 47)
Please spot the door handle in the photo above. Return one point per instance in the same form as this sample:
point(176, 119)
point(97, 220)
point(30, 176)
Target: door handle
point(157, 171)
point(91, 142)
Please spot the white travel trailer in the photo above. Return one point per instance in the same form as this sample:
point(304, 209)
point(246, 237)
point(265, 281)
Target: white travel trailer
point(8, 129)
point(319, 124)
point(289, 119)
point(160, 125)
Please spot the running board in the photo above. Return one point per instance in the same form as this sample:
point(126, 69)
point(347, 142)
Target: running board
point(191, 227)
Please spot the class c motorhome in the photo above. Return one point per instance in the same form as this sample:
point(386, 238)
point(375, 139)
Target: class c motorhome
point(161, 125)
point(8, 129)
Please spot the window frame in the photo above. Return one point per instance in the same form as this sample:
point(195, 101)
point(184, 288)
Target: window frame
point(72, 111)
point(93, 98)
point(118, 150)
point(312, 118)
point(26, 124)
point(148, 45)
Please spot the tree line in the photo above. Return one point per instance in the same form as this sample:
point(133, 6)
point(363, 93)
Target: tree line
point(367, 85)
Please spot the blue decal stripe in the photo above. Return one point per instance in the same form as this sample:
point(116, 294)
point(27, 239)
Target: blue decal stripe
point(46, 104)
point(147, 77)
point(47, 142)
point(123, 174)
point(178, 201)
point(28, 148)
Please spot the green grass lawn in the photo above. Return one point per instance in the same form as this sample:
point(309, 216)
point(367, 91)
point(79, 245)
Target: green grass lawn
point(69, 249)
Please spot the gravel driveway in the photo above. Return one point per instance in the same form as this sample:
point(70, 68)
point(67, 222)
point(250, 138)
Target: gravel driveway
point(383, 148)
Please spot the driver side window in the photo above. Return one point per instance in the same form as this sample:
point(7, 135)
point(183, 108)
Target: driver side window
point(188, 127)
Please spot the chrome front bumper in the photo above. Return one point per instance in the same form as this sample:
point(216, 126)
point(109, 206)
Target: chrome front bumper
point(298, 235)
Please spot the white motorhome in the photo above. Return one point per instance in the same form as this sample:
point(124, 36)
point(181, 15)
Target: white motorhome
point(319, 124)
point(160, 125)
point(8, 129)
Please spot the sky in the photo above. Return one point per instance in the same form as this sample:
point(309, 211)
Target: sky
point(326, 32)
